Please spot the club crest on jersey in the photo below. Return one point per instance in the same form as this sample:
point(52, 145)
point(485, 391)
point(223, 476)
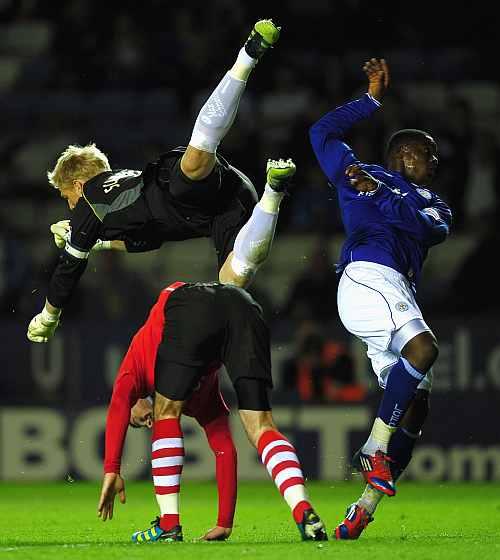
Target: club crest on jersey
point(424, 193)
point(401, 306)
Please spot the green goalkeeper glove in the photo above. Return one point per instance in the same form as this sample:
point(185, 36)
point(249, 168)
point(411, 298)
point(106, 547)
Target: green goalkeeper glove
point(43, 326)
point(62, 232)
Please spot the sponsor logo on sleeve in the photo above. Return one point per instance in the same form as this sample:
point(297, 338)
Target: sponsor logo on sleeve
point(424, 193)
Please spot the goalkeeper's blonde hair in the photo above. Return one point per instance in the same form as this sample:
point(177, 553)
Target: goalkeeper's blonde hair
point(78, 163)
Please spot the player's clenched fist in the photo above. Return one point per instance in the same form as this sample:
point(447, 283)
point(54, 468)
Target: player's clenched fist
point(377, 73)
point(361, 180)
point(43, 326)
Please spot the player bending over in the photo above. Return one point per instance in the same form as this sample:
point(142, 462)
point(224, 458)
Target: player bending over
point(135, 380)
point(189, 192)
point(191, 327)
point(391, 219)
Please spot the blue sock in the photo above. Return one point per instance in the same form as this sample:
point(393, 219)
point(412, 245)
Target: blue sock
point(400, 388)
point(400, 450)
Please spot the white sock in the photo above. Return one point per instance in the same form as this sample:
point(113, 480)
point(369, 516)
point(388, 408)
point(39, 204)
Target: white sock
point(168, 503)
point(379, 437)
point(217, 115)
point(270, 201)
point(370, 499)
point(255, 238)
point(243, 66)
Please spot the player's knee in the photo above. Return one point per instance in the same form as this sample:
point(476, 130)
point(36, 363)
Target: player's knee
point(231, 275)
point(256, 423)
point(166, 408)
point(422, 351)
point(428, 354)
point(197, 164)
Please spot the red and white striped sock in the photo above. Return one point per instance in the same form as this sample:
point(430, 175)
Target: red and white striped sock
point(167, 462)
point(280, 459)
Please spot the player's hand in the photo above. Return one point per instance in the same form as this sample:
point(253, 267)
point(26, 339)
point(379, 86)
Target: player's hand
point(360, 179)
point(61, 231)
point(43, 326)
point(101, 245)
point(112, 485)
point(377, 73)
point(217, 534)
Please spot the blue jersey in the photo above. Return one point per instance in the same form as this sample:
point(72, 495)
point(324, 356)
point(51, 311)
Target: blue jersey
point(394, 225)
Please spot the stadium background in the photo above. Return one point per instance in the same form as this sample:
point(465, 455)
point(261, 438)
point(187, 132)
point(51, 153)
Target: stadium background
point(131, 77)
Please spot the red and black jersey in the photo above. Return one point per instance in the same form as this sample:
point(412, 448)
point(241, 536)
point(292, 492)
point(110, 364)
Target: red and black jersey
point(135, 380)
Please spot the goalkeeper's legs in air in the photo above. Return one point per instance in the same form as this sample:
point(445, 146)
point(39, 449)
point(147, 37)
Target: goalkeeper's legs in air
point(217, 115)
point(401, 445)
point(278, 456)
point(255, 238)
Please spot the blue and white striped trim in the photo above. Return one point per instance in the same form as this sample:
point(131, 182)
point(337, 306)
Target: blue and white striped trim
point(373, 100)
point(411, 370)
point(432, 212)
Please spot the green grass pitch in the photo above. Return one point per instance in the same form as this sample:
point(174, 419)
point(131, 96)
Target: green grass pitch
point(425, 522)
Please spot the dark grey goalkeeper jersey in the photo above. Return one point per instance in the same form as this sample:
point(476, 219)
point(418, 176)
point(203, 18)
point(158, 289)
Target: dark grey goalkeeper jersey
point(139, 208)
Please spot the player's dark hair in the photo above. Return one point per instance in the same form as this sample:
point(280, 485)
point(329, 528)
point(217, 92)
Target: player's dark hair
point(403, 137)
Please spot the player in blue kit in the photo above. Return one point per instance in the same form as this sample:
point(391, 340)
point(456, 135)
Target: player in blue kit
point(391, 219)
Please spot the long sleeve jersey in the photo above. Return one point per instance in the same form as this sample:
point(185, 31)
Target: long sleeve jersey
point(135, 379)
point(396, 224)
point(138, 208)
point(122, 204)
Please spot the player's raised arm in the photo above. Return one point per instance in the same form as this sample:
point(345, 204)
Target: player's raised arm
point(377, 72)
point(327, 134)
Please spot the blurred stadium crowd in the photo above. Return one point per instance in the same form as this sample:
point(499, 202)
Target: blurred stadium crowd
point(132, 76)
